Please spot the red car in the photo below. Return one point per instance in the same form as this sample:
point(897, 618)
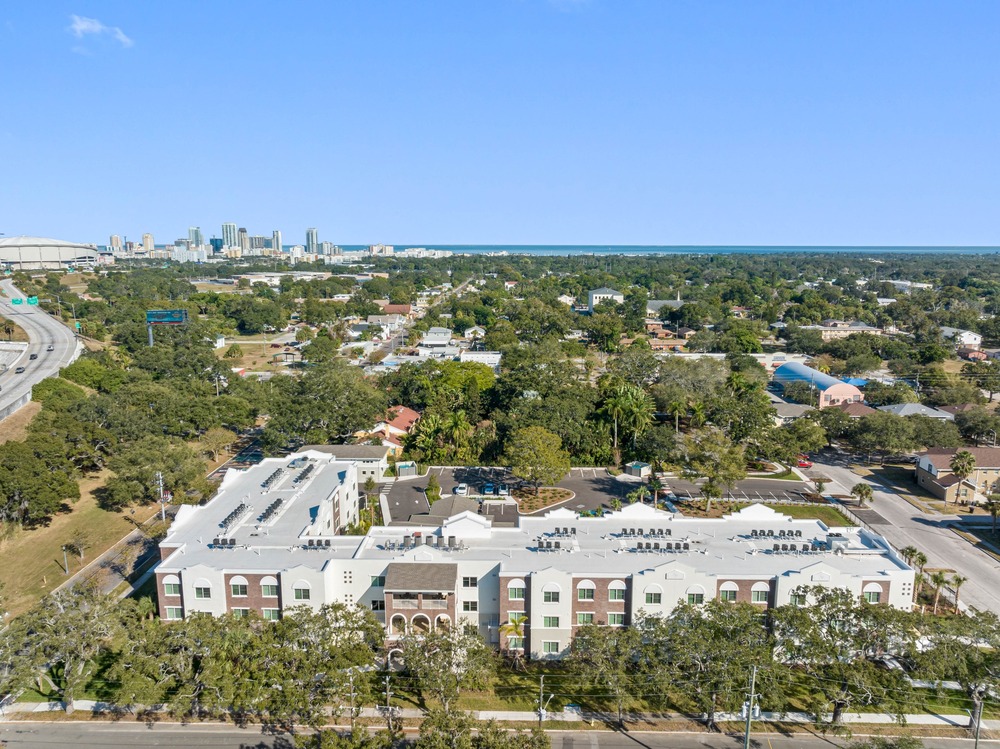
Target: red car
point(804, 462)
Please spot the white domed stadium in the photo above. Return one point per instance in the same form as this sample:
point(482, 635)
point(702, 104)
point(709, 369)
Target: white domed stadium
point(39, 253)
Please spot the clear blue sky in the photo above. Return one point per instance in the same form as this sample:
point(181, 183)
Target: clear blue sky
point(504, 121)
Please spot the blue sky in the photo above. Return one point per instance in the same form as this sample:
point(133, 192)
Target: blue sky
point(504, 121)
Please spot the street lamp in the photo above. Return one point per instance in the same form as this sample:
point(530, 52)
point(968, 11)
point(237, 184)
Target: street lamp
point(65, 559)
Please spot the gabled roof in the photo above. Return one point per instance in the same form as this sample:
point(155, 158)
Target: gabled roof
point(916, 409)
point(855, 409)
point(986, 457)
point(606, 290)
point(401, 417)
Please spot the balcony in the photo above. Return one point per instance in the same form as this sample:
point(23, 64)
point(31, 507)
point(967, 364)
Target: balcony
point(435, 603)
point(405, 604)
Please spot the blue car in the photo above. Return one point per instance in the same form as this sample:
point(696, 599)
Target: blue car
point(487, 488)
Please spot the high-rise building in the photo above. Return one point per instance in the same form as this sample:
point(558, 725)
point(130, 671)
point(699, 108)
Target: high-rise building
point(147, 242)
point(195, 237)
point(243, 239)
point(312, 241)
point(216, 243)
point(276, 241)
point(258, 242)
point(115, 243)
point(229, 235)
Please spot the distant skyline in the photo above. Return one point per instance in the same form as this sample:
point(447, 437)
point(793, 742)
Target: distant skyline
point(560, 122)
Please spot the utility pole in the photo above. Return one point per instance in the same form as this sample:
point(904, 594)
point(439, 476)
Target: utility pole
point(159, 486)
point(541, 700)
point(350, 677)
point(65, 559)
point(388, 706)
point(750, 707)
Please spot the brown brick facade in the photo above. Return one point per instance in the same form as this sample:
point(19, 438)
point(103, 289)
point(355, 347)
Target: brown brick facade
point(395, 605)
point(254, 600)
point(507, 606)
point(744, 591)
point(601, 606)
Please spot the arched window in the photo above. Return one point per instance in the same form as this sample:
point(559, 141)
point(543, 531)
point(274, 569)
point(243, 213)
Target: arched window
point(302, 591)
point(616, 590)
point(872, 593)
point(696, 594)
point(238, 586)
point(550, 593)
point(171, 585)
point(653, 594)
point(269, 587)
point(516, 590)
point(760, 593)
point(202, 588)
point(728, 591)
point(585, 590)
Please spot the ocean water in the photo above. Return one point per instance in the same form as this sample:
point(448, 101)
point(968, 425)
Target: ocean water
point(529, 249)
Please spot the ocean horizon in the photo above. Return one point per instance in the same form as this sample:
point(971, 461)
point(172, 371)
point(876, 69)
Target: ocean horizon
point(576, 249)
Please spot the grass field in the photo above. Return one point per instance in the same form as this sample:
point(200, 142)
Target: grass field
point(31, 560)
point(15, 426)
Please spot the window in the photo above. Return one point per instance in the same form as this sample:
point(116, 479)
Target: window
point(515, 594)
point(873, 596)
point(550, 596)
point(241, 613)
point(239, 590)
point(175, 612)
point(653, 598)
point(727, 595)
point(514, 616)
point(470, 582)
point(550, 621)
point(585, 594)
point(271, 615)
point(515, 643)
point(470, 605)
point(302, 594)
point(616, 594)
point(550, 646)
point(582, 619)
point(759, 596)
point(171, 589)
point(202, 592)
point(797, 599)
point(616, 620)
point(696, 598)
point(378, 605)
point(378, 581)
point(269, 591)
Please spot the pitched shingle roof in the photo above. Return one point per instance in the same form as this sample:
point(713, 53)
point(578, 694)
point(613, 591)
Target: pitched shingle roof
point(405, 577)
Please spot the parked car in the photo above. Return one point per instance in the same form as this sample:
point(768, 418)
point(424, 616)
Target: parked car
point(32, 357)
point(275, 345)
point(462, 490)
point(19, 370)
point(488, 488)
point(503, 490)
point(804, 462)
point(50, 347)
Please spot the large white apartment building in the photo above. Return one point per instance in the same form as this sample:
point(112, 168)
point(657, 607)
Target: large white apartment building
point(269, 541)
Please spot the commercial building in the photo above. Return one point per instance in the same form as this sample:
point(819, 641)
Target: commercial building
point(195, 237)
point(39, 253)
point(831, 330)
point(276, 240)
point(603, 294)
point(831, 391)
point(242, 239)
point(312, 241)
point(229, 237)
point(147, 243)
point(269, 541)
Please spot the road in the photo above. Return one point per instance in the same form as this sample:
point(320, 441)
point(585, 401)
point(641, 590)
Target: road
point(43, 330)
point(905, 525)
point(38, 735)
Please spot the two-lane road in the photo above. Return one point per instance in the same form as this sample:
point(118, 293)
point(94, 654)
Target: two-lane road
point(44, 331)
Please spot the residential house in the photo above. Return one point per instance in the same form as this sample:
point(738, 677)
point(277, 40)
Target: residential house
point(855, 409)
point(934, 474)
point(436, 337)
point(474, 332)
point(831, 330)
point(655, 306)
point(489, 358)
point(971, 354)
point(917, 409)
point(786, 413)
point(959, 337)
point(394, 428)
point(603, 294)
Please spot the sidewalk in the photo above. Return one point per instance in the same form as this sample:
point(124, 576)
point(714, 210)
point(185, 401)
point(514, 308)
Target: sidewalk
point(33, 709)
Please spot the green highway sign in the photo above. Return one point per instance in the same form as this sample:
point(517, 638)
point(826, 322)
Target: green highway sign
point(78, 326)
point(17, 300)
point(32, 300)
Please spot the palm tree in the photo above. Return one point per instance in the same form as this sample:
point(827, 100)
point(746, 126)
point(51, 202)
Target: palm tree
point(699, 414)
point(8, 329)
point(514, 627)
point(908, 552)
point(957, 581)
point(938, 580)
point(992, 506)
point(616, 503)
point(457, 431)
point(963, 463)
point(677, 408)
point(862, 492)
point(919, 561)
point(655, 486)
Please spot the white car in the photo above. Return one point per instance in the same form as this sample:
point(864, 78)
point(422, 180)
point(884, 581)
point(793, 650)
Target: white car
point(462, 490)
